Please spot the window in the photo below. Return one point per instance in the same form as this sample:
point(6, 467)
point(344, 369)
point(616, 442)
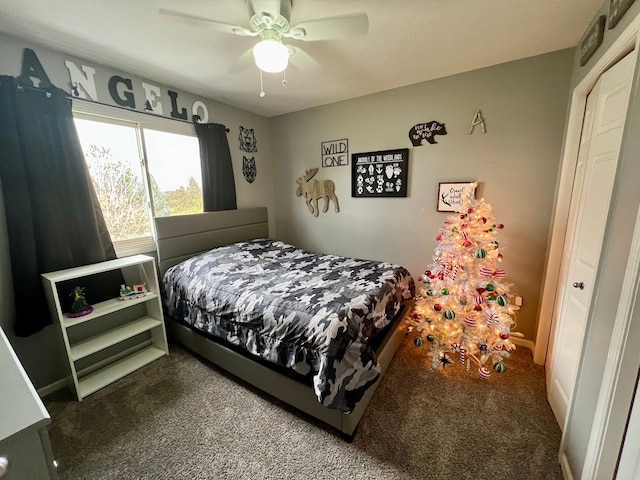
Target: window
point(111, 153)
point(174, 172)
point(131, 190)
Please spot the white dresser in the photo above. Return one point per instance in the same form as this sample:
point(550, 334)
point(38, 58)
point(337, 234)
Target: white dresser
point(25, 452)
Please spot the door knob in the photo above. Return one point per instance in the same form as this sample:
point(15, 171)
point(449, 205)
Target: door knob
point(579, 285)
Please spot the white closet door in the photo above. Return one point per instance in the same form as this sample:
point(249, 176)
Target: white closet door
point(593, 185)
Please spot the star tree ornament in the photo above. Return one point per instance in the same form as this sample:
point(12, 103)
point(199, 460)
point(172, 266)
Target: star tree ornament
point(463, 306)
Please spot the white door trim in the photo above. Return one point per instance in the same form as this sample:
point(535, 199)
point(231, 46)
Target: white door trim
point(623, 44)
point(615, 358)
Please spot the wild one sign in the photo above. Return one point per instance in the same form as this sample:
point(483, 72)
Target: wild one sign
point(335, 153)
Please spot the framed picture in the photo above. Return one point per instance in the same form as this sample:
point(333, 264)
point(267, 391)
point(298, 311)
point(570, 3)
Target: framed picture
point(450, 195)
point(592, 40)
point(617, 9)
point(380, 174)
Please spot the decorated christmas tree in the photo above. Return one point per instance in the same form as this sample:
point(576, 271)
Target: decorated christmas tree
point(463, 311)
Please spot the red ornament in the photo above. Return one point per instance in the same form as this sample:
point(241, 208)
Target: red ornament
point(464, 225)
point(439, 238)
point(477, 308)
point(441, 276)
point(481, 290)
point(420, 278)
point(504, 336)
point(470, 210)
point(428, 273)
point(500, 226)
point(467, 243)
point(437, 307)
point(500, 256)
point(483, 220)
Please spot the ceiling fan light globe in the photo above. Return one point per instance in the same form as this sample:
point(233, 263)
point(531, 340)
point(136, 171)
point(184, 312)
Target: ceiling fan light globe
point(271, 56)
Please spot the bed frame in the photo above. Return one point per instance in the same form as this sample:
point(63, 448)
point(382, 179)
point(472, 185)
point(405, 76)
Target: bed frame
point(183, 236)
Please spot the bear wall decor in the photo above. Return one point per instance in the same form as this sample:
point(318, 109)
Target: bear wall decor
point(247, 139)
point(426, 131)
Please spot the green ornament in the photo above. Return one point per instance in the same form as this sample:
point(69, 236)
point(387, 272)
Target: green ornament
point(417, 342)
point(430, 292)
point(449, 314)
point(490, 287)
point(500, 367)
point(445, 291)
point(430, 338)
point(501, 301)
point(480, 253)
point(492, 297)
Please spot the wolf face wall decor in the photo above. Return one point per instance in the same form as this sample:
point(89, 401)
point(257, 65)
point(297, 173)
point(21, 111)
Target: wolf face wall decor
point(249, 169)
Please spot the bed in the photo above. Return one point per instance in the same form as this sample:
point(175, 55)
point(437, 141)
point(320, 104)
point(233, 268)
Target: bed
point(316, 331)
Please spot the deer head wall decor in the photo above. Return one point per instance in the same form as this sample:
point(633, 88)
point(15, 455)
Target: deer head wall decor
point(313, 190)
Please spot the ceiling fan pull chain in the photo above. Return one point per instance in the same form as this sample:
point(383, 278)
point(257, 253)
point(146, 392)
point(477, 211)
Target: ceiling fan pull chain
point(262, 94)
point(284, 77)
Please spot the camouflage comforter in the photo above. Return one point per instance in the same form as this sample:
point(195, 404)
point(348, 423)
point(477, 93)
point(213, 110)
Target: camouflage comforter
point(313, 314)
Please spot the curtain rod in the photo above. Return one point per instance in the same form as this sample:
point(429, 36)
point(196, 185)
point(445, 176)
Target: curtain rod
point(21, 88)
point(195, 117)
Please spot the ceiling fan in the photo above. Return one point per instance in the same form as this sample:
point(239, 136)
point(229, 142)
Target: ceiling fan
point(270, 21)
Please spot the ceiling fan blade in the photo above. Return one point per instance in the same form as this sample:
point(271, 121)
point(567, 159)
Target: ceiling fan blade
point(342, 26)
point(272, 7)
point(207, 23)
point(243, 63)
point(301, 60)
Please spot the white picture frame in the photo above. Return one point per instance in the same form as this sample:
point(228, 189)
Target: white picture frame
point(450, 195)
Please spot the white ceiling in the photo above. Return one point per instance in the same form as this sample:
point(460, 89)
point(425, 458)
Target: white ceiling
point(409, 41)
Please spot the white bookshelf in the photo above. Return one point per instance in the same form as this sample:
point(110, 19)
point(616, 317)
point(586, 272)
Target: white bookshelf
point(119, 336)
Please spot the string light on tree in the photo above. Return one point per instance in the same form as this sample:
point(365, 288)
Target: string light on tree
point(463, 306)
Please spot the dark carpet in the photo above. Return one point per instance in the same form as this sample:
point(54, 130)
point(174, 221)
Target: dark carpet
point(182, 418)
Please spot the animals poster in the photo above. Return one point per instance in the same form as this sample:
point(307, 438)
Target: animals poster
point(380, 174)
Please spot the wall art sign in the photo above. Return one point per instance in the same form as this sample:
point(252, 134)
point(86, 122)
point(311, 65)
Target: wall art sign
point(313, 190)
point(380, 174)
point(426, 131)
point(249, 169)
point(450, 195)
point(335, 153)
point(82, 84)
point(592, 40)
point(617, 9)
point(247, 139)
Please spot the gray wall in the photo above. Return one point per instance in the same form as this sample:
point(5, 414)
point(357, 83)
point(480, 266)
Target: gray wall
point(41, 354)
point(613, 262)
point(516, 162)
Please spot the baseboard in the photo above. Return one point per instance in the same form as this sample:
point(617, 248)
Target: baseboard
point(522, 342)
point(52, 387)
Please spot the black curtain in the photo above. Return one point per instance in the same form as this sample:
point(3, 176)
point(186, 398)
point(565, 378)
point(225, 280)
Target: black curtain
point(53, 215)
point(218, 184)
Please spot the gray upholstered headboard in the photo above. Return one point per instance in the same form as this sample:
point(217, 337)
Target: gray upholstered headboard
point(183, 236)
